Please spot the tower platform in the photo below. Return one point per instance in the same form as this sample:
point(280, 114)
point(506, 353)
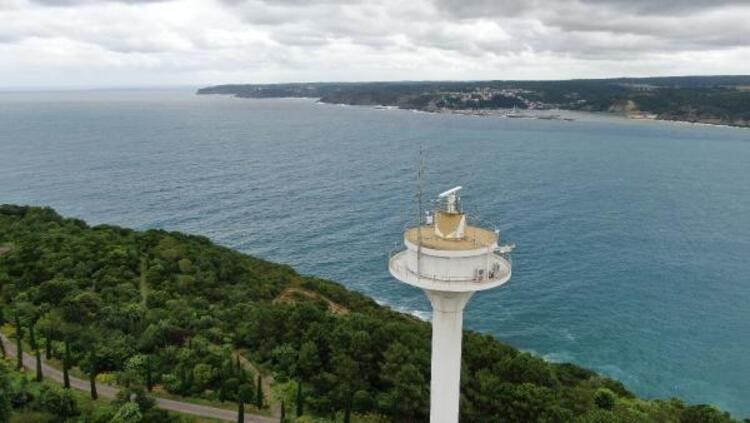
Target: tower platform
point(467, 270)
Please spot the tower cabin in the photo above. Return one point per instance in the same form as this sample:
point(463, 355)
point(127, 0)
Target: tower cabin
point(448, 253)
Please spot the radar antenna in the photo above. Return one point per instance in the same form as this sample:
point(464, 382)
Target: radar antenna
point(451, 199)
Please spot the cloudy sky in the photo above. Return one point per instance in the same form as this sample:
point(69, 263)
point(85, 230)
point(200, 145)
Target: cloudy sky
point(73, 43)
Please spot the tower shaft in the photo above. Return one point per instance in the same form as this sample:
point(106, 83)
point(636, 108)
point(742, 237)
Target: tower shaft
point(447, 334)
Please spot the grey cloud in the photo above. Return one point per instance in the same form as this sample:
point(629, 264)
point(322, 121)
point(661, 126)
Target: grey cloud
point(10, 38)
point(293, 3)
point(319, 23)
point(374, 37)
point(609, 28)
point(484, 8)
point(724, 31)
point(665, 7)
point(89, 28)
point(316, 22)
point(494, 9)
point(68, 3)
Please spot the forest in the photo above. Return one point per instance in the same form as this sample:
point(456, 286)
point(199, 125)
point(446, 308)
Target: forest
point(161, 313)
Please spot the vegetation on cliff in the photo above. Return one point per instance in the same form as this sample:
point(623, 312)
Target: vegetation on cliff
point(168, 312)
point(707, 99)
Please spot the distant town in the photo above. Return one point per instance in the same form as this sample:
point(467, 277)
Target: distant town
point(718, 100)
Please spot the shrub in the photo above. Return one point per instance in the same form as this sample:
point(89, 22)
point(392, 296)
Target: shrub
point(605, 399)
point(53, 400)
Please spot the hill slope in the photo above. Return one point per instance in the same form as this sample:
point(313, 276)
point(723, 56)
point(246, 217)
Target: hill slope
point(183, 305)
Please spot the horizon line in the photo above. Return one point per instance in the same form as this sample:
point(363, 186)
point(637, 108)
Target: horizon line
point(102, 87)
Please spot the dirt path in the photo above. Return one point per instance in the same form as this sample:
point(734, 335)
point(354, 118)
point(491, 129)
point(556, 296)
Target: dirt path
point(288, 294)
point(107, 391)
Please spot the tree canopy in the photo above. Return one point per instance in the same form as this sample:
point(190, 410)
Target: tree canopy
point(169, 310)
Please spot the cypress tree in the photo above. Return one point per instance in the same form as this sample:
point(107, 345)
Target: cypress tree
point(259, 394)
point(149, 376)
point(227, 371)
point(32, 338)
point(39, 374)
point(48, 345)
point(227, 368)
point(348, 410)
point(300, 400)
point(242, 394)
point(183, 379)
point(92, 381)
point(241, 412)
point(92, 372)
point(222, 393)
point(19, 345)
point(37, 353)
point(2, 343)
point(66, 365)
point(189, 374)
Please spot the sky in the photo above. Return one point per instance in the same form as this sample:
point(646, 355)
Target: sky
point(100, 43)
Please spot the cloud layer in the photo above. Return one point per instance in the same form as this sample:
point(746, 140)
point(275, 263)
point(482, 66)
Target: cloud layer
point(163, 42)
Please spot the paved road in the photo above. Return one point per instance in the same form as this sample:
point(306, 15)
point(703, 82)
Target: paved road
point(107, 391)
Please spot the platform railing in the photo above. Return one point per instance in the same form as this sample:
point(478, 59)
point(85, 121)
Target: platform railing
point(404, 269)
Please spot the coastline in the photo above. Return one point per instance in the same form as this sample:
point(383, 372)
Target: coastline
point(566, 115)
point(549, 114)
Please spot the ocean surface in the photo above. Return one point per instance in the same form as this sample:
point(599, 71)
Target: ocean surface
point(633, 237)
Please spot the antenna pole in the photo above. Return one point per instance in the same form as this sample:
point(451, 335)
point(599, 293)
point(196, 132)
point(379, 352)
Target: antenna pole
point(420, 193)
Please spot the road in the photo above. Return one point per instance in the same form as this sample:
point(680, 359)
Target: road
point(107, 391)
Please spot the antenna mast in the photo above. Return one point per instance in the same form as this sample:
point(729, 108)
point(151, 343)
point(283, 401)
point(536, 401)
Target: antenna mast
point(420, 194)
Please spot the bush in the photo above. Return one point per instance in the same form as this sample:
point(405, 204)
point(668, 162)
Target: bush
point(704, 414)
point(20, 395)
point(526, 368)
point(58, 402)
point(102, 414)
point(128, 413)
point(605, 399)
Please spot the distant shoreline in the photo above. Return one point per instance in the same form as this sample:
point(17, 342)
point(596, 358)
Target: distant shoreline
point(710, 100)
point(502, 113)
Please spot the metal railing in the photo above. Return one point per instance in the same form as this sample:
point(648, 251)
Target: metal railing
point(486, 275)
point(398, 247)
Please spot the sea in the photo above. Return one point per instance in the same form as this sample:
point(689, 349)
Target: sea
point(633, 237)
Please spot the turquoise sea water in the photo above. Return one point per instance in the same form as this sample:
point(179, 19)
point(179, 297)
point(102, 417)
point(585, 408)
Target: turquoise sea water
point(633, 237)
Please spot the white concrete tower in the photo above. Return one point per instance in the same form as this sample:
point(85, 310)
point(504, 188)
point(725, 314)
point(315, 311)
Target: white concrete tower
point(449, 259)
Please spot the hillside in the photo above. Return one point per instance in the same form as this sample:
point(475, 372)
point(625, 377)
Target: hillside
point(706, 99)
point(167, 311)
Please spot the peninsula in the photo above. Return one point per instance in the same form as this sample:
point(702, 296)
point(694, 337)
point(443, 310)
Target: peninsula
point(719, 100)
